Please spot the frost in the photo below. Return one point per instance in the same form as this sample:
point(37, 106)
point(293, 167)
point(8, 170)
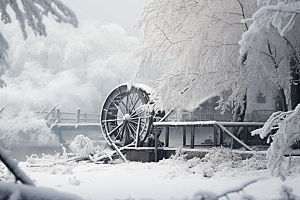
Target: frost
point(283, 129)
point(82, 146)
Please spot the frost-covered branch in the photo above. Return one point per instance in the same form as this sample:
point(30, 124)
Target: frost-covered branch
point(12, 165)
point(30, 13)
point(208, 195)
point(286, 126)
point(280, 16)
point(18, 191)
point(195, 38)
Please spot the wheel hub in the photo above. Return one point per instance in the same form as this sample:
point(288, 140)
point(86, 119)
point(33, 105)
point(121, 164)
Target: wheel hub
point(126, 118)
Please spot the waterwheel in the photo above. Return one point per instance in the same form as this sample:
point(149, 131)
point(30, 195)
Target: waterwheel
point(125, 119)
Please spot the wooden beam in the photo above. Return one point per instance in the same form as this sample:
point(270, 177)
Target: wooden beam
point(167, 137)
point(156, 145)
point(137, 139)
point(192, 137)
point(215, 136)
point(78, 115)
point(58, 114)
point(184, 136)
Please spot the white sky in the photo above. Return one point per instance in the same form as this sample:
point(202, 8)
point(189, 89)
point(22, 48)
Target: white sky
point(121, 12)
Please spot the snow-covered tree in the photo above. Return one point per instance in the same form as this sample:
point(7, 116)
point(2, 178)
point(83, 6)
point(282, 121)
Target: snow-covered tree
point(48, 71)
point(278, 23)
point(200, 38)
point(275, 23)
point(30, 13)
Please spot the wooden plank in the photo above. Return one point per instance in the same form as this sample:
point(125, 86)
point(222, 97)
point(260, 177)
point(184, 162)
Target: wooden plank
point(167, 137)
point(184, 136)
point(49, 112)
point(156, 145)
point(192, 137)
point(137, 139)
point(78, 116)
point(246, 134)
point(235, 138)
point(215, 136)
point(58, 116)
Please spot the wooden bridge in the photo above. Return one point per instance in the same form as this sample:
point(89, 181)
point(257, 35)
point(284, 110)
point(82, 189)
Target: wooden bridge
point(71, 121)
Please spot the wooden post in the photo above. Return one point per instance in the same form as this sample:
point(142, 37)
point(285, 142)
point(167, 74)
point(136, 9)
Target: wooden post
point(192, 136)
point(215, 136)
point(184, 136)
point(86, 127)
point(156, 145)
point(246, 134)
point(167, 137)
point(137, 140)
point(221, 136)
point(78, 116)
point(84, 116)
point(58, 115)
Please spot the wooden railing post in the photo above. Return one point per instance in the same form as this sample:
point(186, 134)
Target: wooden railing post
point(246, 134)
point(78, 116)
point(58, 115)
point(167, 137)
point(192, 137)
point(221, 136)
point(84, 117)
point(184, 136)
point(215, 136)
point(156, 145)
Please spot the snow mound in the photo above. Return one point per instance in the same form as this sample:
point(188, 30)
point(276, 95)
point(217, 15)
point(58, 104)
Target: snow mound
point(219, 161)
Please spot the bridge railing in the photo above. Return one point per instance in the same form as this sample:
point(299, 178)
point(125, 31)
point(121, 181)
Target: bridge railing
point(222, 126)
point(55, 115)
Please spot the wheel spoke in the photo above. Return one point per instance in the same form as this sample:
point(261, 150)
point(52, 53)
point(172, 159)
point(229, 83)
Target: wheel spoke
point(111, 120)
point(143, 117)
point(115, 129)
point(131, 102)
point(134, 106)
point(133, 129)
point(127, 102)
point(136, 114)
point(120, 132)
point(124, 106)
point(119, 109)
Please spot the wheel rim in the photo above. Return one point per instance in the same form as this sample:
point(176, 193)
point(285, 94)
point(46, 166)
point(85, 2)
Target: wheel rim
point(120, 116)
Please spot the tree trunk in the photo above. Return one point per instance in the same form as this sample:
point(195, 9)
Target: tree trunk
point(295, 86)
point(283, 100)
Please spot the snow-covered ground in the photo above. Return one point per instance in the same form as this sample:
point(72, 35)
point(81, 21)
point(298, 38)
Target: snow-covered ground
point(174, 178)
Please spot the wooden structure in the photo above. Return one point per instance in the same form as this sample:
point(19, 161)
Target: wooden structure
point(126, 122)
point(220, 128)
point(67, 121)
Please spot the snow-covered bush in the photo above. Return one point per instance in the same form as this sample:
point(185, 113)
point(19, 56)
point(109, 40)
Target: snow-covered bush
point(286, 126)
point(219, 160)
point(82, 146)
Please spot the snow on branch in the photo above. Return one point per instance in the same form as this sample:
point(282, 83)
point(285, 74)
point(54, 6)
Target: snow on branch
point(12, 165)
point(208, 195)
point(286, 126)
point(31, 15)
point(281, 16)
point(19, 191)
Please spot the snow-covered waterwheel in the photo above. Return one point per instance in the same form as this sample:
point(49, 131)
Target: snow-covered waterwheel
point(124, 114)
